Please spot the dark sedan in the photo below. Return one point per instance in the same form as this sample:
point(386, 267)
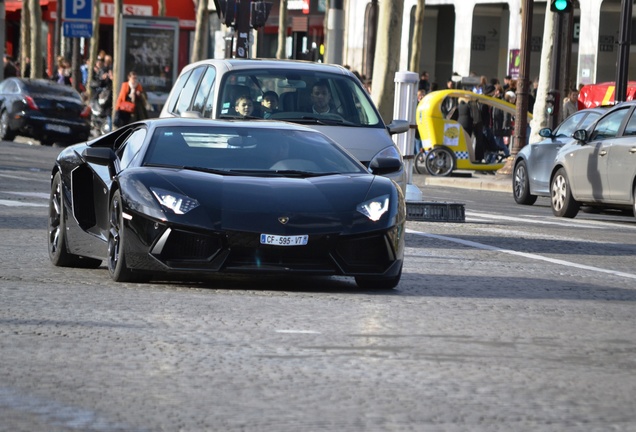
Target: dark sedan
point(192, 196)
point(44, 110)
point(533, 164)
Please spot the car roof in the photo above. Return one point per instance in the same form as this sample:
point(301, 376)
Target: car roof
point(249, 64)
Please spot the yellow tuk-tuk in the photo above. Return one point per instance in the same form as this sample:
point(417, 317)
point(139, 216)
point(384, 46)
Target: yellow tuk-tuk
point(446, 145)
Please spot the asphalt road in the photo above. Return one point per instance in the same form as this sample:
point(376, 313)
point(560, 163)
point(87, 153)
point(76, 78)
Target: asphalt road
point(513, 320)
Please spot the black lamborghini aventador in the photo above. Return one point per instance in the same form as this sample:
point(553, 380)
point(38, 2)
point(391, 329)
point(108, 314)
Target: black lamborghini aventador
point(194, 197)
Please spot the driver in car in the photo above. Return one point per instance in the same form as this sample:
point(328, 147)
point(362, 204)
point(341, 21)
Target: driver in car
point(321, 99)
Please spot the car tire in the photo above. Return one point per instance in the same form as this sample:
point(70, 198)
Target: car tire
point(117, 267)
point(440, 162)
point(6, 134)
point(634, 199)
point(58, 251)
point(561, 199)
point(378, 283)
point(521, 185)
point(420, 163)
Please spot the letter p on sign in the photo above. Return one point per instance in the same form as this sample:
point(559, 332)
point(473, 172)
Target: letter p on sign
point(78, 5)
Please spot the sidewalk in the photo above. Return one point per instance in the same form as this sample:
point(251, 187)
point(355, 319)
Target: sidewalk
point(467, 180)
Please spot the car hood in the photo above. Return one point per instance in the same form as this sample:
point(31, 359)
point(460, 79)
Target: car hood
point(362, 142)
point(325, 203)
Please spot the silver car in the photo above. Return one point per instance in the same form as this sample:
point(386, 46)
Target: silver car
point(598, 168)
point(534, 162)
point(328, 98)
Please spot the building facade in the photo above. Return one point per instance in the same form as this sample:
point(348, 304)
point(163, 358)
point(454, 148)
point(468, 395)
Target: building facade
point(483, 37)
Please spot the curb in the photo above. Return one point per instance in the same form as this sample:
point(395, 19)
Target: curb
point(489, 182)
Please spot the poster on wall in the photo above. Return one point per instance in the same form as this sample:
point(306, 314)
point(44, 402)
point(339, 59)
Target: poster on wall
point(150, 48)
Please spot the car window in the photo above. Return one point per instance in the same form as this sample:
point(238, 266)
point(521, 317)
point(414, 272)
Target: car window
point(176, 91)
point(301, 96)
point(185, 98)
point(568, 127)
point(630, 128)
point(254, 149)
point(588, 120)
point(608, 126)
point(9, 87)
point(203, 92)
point(130, 148)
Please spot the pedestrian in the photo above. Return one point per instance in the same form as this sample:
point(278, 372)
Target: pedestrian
point(62, 73)
point(131, 102)
point(570, 103)
point(10, 69)
point(424, 83)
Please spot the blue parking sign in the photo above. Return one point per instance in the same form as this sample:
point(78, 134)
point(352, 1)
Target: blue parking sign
point(78, 10)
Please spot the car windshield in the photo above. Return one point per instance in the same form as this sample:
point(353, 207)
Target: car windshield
point(297, 95)
point(248, 151)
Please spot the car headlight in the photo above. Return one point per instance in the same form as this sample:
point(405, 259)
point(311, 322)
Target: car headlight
point(375, 208)
point(389, 152)
point(178, 203)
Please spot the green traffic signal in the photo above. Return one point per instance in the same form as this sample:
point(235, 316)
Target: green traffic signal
point(561, 6)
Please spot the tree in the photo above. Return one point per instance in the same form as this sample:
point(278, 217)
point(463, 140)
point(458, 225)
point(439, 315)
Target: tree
point(25, 34)
point(386, 62)
point(539, 118)
point(199, 47)
point(282, 29)
point(418, 30)
point(36, 40)
point(94, 47)
point(161, 8)
point(117, 79)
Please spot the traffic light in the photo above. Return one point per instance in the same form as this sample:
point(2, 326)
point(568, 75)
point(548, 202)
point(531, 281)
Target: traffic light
point(259, 11)
point(552, 102)
point(226, 10)
point(561, 6)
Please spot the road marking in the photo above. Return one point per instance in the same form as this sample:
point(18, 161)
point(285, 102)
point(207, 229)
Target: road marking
point(31, 194)
point(522, 254)
point(558, 222)
point(298, 331)
point(11, 203)
point(23, 178)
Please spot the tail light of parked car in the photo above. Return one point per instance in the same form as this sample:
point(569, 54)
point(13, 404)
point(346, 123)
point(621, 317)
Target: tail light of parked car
point(30, 103)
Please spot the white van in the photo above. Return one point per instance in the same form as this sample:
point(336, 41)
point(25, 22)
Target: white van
point(211, 88)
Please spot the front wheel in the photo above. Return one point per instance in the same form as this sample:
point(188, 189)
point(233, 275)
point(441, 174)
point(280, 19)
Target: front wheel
point(117, 267)
point(420, 162)
point(521, 185)
point(6, 134)
point(562, 201)
point(440, 162)
point(378, 283)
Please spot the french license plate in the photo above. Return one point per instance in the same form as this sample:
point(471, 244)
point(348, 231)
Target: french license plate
point(58, 128)
point(276, 240)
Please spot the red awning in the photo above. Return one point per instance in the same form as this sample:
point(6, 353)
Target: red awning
point(16, 5)
point(593, 95)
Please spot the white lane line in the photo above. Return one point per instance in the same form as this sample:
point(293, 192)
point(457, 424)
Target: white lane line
point(24, 178)
point(566, 223)
point(11, 203)
point(298, 331)
point(522, 254)
point(30, 194)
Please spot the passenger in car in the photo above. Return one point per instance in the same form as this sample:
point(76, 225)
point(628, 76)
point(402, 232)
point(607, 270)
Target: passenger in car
point(269, 104)
point(244, 106)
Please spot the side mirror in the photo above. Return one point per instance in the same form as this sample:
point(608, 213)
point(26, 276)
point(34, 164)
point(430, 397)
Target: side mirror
point(104, 156)
point(546, 133)
point(99, 155)
point(397, 126)
point(382, 166)
point(580, 135)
